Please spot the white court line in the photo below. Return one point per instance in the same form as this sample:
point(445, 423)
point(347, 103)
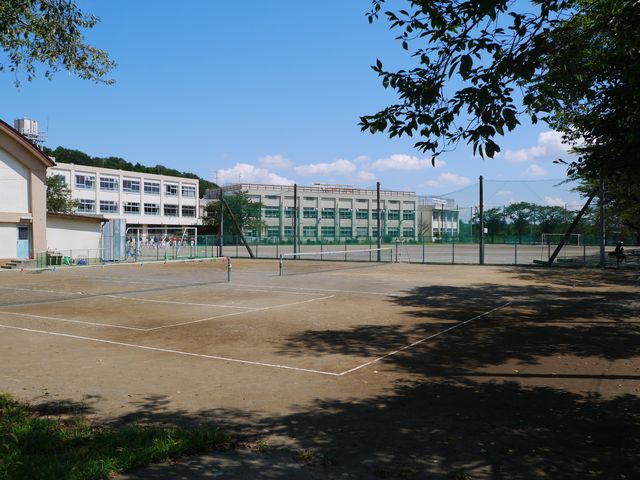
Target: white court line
point(262, 309)
point(177, 303)
point(457, 325)
point(67, 320)
point(175, 352)
point(40, 290)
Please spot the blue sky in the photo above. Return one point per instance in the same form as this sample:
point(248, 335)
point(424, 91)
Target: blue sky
point(259, 92)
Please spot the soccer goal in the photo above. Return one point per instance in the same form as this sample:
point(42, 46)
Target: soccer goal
point(575, 239)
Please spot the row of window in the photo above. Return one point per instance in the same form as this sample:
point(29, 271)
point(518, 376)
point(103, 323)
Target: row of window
point(109, 206)
point(312, 232)
point(109, 184)
point(344, 213)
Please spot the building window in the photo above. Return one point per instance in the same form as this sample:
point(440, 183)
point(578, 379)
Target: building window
point(288, 231)
point(151, 209)
point(362, 231)
point(273, 232)
point(131, 207)
point(86, 206)
point(345, 213)
point(309, 212)
point(108, 206)
point(108, 184)
point(288, 212)
point(362, 213)
point(328, 231)
point(86, 181)
point(271, 197)
point(309, 231)
point(408, 232)
point(271, 212)
point(170, 190)
point(393, 232)
point(61, 178)
point(345, 232)
point(171, 210)
point(131, 186)
point(188, 211)
point(310, 199)
point(408, 214)
point(328, 213)
point(151, 188)
point(393, 215)
point(374, 214)
point(189, 191)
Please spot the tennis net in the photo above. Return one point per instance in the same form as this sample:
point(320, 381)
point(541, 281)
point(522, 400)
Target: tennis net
point(309, 261)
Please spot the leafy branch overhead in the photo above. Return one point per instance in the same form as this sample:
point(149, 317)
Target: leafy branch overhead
point(49, 33)
point(480, 65)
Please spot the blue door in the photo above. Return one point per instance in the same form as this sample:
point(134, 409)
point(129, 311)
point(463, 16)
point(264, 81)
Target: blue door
point(23, 241)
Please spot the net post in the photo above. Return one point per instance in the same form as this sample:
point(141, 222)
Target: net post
point(345, 249)
point(396, 250)
point(584, 253)
point(228, 269)
point(280, 265)
point(453, 252)
point(391, 255)
point(515, 254)
point(320, 249)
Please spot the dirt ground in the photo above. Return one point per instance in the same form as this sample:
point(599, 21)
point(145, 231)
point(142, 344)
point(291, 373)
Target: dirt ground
point(343, 370)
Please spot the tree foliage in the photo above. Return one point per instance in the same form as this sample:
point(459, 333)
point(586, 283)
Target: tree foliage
point(49, 33)
point(247, 213)
point(483, 64)
point(66, 155)
point(59, 196)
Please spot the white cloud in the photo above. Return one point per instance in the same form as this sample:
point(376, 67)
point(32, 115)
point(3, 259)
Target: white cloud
point(362, 159)
point(554, 201)
point(548, 147)
point(244, 172)
point(534, 170)
point(339, 167)
point(274, 161)
point(365, 176)
point(401, 162)
point(504, 193)
point(448, 180)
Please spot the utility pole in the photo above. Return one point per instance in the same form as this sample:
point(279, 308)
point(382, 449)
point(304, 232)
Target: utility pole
point(378, 219)
point(481, 221)
point(295, 219)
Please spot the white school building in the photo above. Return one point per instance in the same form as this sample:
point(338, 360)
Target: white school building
point(152, 205)
point(334, 212)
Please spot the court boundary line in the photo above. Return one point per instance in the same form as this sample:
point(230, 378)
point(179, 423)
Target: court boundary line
point(168, 350)
point(255, 363)
point(248, 310)
point(422, 340)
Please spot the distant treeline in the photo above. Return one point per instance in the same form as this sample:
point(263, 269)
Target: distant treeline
point(66, 155)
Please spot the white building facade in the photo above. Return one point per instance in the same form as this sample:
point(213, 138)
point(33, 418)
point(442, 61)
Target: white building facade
point(330, 212)
point(154, 205)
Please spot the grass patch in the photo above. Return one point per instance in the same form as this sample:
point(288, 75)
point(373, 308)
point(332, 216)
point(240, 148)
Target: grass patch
point(35, 447)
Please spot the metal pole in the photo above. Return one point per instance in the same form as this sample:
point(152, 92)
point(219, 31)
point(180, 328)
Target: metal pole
point(602, 223)
point(228, 269)
point(481, 222)
point(281, 265)
point(221, 223)
point(378, 218)
point(453, 251)
point(295, 219)
point(515, 245)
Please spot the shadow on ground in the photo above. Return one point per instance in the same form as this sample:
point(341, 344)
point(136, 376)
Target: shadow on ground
point(440, 429)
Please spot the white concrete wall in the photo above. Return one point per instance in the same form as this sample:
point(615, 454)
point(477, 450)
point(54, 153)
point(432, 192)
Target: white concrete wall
point(14, 184)
point(65, 234)
point(8, 240)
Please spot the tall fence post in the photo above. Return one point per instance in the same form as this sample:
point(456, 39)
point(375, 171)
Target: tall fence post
point(515, 254)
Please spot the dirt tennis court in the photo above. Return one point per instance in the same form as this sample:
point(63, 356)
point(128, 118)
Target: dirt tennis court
point(382, 370)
